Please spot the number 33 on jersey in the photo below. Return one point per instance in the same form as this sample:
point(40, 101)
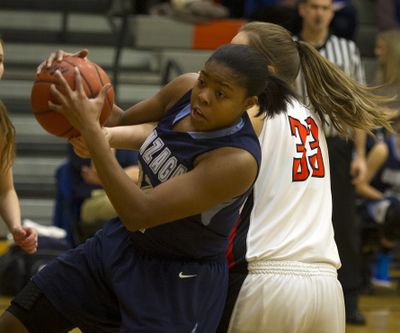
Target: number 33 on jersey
point(309, 161)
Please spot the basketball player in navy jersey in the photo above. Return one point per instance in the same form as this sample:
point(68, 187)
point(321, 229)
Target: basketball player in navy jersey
point(160, 266)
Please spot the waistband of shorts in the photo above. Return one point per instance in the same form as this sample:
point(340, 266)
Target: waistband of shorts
point(291, 268)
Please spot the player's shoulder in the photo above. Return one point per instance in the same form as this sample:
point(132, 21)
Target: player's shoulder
point(295, 106)
point(183, 82)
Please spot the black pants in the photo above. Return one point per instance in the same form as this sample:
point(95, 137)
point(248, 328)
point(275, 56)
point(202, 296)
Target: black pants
point(345, 222)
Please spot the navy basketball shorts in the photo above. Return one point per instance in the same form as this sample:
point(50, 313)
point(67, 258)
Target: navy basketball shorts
point(106, 285)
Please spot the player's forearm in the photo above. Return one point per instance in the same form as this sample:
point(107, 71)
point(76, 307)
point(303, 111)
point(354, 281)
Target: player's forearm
point(114, 117)
point(10, 210)
point(146, 111)
point(126, 197)
point(129, 137)
point(369, 192)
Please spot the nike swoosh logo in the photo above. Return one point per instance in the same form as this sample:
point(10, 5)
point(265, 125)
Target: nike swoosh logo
point(186, 276)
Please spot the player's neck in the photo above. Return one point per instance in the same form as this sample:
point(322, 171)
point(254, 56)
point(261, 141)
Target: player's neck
point(316, 38)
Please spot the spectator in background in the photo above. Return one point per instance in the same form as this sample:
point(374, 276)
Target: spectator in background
point(235, 7)
point(347, 160)
point(344, 22)
point(192, 11)
point(388, 14)
point(81, 204)
point(282, 12)
point(87, 188)
point(380, 199)
point(380, 192)
point(285, 14)
point(387, 52)
point(251, 6)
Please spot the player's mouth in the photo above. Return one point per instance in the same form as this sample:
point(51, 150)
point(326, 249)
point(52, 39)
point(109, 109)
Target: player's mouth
point(196, 113)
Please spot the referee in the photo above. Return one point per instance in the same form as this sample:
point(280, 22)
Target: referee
point(347, 158)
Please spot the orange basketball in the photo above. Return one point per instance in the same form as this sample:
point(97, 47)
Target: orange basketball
point(93, 79)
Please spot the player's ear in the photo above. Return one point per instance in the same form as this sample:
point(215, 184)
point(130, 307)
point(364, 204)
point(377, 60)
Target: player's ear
point(251, 101)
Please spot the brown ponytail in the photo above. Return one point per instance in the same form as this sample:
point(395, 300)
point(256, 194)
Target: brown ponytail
point(332, 93)
point(347, 103)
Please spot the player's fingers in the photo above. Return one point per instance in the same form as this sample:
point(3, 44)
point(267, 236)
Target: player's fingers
point(78, 82)
point(19, 235)
point(30, 242)
point(55, 107)
point(79, 147)
point(78, 142)
point(57, 96)
point(103, 91)
point(40, 67)
point(81, 54)
point(81, 152)
point(55, 92)
point(30, 248)
point(49, 61)
point(63, 83)
point(357, 179)
point(46, 63)
point(60, 54)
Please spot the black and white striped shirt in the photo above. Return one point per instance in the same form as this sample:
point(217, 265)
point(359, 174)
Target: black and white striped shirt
point(345, 54)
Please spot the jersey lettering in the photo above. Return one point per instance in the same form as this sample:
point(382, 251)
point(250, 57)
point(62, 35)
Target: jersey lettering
point(180, 170)
point(155, 147)
point(310, 161)
point(315, 160)
point(148, 140)
point(166, 170)
point(159, 158)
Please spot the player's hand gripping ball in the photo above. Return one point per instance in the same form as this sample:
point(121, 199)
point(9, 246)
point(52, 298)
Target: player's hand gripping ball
point(93, 79)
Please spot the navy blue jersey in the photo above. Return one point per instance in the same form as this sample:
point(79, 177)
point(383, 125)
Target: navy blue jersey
point(167, 153)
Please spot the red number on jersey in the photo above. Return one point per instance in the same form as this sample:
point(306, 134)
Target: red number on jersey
point(313, 163)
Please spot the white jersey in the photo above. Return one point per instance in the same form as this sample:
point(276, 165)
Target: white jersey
point(289, 217)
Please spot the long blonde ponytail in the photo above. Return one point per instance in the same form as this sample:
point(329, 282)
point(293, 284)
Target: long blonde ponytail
point(347, 103)
point(332, 93)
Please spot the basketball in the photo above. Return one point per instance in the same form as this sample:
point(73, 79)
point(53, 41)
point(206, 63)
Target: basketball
point(93, 79)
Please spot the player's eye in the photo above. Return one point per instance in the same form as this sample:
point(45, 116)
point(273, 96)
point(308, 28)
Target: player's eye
point(201, 82)
point(219, 94)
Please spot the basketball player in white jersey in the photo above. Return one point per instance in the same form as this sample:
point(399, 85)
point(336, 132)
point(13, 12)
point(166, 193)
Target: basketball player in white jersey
point(282, 254)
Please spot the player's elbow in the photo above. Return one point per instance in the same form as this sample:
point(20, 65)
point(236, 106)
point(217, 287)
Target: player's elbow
point(136, 218)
